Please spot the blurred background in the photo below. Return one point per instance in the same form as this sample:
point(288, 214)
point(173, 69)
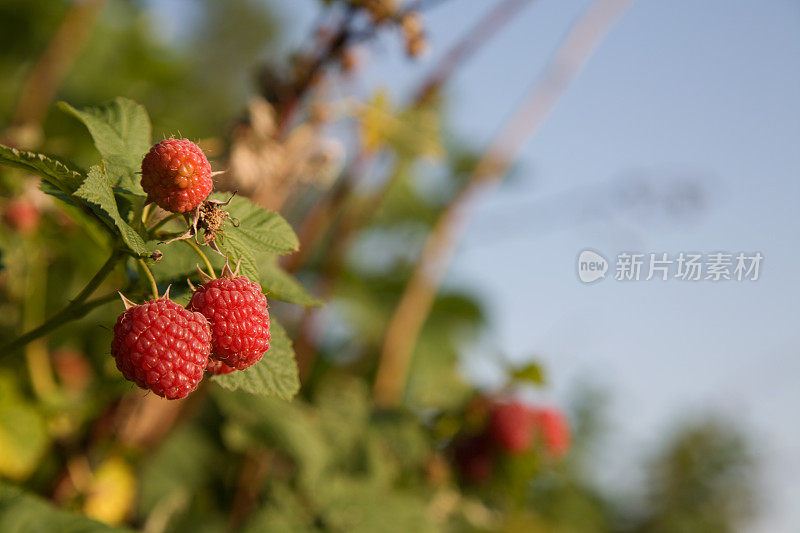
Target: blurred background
point(443, 162)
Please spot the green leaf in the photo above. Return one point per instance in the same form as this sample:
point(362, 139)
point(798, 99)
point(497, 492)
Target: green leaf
point(355, 506)
point(121, 133)
point(277, 283)
point(259, 229)
point(290, 427)
point(274, 375)
point(242, 255)
point(532, 373)
point(55, 173)
point(24, 513)
point(96, 190)
point(171, 474)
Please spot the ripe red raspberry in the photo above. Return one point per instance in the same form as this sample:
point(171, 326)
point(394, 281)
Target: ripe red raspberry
point(511, 428)
point(161, 346)
point(218, 367)
point(237, 311)
point(22, 215)
point(553, 429)
point(176, 175)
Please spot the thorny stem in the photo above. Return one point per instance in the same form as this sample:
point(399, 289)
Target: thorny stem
point(150, 278)
point(193, 246)
point(76, 309)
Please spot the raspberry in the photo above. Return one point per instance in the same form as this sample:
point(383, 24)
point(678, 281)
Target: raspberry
point(218, 367)
point(474, 458)
point(161, 346)
point(554, 432)
point(511, 428)
point(22, 216)
point(176, 175)
point(237, 311)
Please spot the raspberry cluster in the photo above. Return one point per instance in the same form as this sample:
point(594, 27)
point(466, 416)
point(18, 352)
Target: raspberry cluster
point(165, 348)
point(512, 428)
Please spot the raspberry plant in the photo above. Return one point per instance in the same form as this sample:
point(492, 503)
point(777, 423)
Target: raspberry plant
point(385, 435)
point(156, 251)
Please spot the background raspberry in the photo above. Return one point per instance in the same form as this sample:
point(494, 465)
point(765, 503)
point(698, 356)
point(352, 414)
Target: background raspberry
point(510, 426)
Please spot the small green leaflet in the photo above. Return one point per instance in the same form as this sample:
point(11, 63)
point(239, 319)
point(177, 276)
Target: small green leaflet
point(121, 133)
point(96, 190)
point(532, 373)
point(56, 173)
point(274, 375)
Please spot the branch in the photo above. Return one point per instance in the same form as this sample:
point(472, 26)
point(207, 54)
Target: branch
point(76, 309)
point(417, 299)
point(472, 41)
point(320, 218)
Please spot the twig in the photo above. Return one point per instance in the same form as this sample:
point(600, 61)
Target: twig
point(418, 296)
point(336, 44)
point(193, 246)
point(72, 312)
point(149, 276)
point(76, 308)
point(320, 218)
point(472, 41)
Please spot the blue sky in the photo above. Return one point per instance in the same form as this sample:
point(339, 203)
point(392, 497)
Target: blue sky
point(680, 90)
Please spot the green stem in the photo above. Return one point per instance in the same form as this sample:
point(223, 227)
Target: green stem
point(150, 278)
point(72, 312)
point(193, 246)
point(161, 222)
point(147, 212)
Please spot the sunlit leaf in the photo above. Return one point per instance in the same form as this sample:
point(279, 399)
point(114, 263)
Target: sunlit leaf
point(121, 133)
